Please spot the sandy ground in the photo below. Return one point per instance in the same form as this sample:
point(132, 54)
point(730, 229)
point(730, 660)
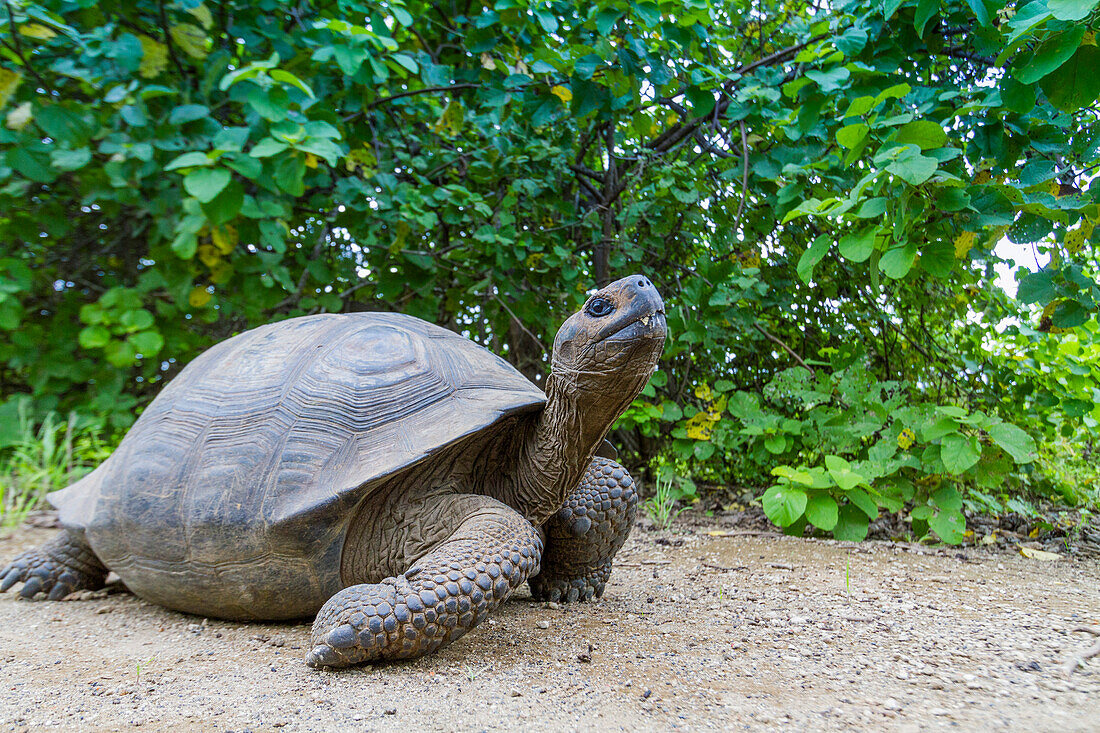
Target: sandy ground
point(695, 631)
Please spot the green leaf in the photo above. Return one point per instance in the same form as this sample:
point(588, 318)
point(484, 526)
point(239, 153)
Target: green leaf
point(947, 498)
point(187, 113)
point(821, 511)
point(813, 254)
point(775, 443)
point(93, 337)
point(1075, 84)
point(866, 504)
point(1015, 442)
point(784, 504)
point(938, 259)
point(852, 135)
point(271, 104)
point(1071, 9)
point(267, 147)
point(949, 526)
point(851, 524)
point(206, 183)
point(287, 78)
point(959, 452)
point(913, 168)
point(897, 262)
point(926, 10)
point(226, 205)
point(189, 160)
point(148, 343)
point(857, 247)
point(1050, 54)
point(547, 20)
point(1037, 287)
point(70, 160)
point(289, 174)
point(922, 133)
point(136, 320)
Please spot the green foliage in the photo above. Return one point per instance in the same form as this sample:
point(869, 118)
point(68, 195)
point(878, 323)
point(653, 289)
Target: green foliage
point(822, 191)
point(36, 462)
point(668, 491)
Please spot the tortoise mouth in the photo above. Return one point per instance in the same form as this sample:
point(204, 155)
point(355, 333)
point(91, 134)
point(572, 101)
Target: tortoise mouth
point(646, 326)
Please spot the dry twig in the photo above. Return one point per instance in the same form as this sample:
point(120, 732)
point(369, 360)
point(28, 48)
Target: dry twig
point(1093, 651)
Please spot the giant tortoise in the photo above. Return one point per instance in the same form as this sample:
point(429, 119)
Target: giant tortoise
point(388, 475)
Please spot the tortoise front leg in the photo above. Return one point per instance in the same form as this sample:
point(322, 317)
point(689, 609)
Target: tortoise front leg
point(584, 535)
point(445, 593)
point(57, 568)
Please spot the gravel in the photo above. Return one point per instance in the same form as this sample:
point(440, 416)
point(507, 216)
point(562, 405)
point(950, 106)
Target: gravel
point(764, 633)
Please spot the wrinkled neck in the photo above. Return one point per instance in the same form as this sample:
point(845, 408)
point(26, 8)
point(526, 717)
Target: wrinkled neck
point(560, 444)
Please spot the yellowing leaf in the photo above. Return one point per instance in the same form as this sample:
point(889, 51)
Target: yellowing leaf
point(202, 14)
point(565, 94)
point(487, 62)
point(703, 392)
point(982, 177)
point(154, 57)
point(906, 439)
point(1039, 554)
point(209, 255)
point(9, 82)
point(1075, 238)
point(36, 30)
point(225, 238)
point(311, 160)
point(18, 118)
point(963, 243)
point(199, 297)
point(1089, 39)
point(190, 38)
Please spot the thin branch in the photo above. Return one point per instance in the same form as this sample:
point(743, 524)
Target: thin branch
point(1093, 651)
point(18, 49)
point(744, 176)
point(786, 348)
point(171, 45)
point(425, 90)
point(519, 323)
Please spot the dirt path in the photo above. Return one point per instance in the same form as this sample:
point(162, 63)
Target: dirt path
point(695, 632)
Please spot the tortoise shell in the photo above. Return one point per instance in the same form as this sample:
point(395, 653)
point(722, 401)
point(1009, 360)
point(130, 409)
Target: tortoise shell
point(247, 467)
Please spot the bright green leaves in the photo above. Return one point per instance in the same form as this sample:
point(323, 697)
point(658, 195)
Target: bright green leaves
point(912, 167)
point(206, 183)
point(1075, 84)
point(118, 325)
point(925, 134)
point(1071, 9)
point(959, 452)
point(858, 246)
point(784, 505)
point(821, 511)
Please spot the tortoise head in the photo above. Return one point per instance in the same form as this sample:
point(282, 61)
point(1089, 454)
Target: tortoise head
point(611, 345)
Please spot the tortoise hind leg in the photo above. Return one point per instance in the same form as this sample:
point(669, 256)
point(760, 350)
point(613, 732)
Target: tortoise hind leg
point(445, 593)
point(57, 568)
point(584, 535)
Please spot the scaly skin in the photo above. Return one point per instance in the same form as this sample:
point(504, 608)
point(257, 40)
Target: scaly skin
point(57, 568)
point(584, 535)
point(447, 592)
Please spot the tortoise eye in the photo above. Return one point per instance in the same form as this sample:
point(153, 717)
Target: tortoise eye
point(599, 307)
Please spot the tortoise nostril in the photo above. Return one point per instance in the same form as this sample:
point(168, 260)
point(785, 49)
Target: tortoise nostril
point(643, 283)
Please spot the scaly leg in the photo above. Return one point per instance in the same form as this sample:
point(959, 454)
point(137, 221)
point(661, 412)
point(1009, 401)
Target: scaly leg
point(445, 593)
point(57, 568)
point(584, 535)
